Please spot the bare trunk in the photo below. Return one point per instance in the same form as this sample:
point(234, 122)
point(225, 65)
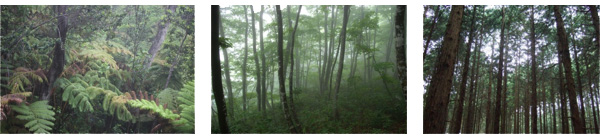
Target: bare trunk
point(217, 83)
point(435, 112)
point(563, 49)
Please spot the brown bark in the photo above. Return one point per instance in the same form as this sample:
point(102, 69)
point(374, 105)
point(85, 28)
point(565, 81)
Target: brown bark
point(563, 49)
point(497, 113)
point(463, 82)
point(435, 112)
point(533, 75)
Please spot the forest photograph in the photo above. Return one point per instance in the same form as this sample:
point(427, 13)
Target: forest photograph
point(308, 69)
point(511, 69)
point(118, 69)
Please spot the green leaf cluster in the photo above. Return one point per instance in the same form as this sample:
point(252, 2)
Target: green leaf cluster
point(186, 97)
point(38, 115)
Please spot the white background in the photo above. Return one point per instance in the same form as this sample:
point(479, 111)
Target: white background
point(203, 77)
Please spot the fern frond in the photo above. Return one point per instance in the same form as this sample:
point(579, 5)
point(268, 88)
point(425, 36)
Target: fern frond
point(151, 105)
point(38, 115)
point(186, 97)
point(168, 96)
point(94, 54)
point(21, 77)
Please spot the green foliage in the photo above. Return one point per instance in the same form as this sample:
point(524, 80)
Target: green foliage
point(153, 107)
point(38, 115)
point(169, 97)
point(79, 91)
point(225, 42)
point(21, 78)
point(4, 69)
point(187, 121)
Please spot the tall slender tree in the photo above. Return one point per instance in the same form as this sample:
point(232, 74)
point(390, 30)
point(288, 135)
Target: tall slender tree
point(533, 74)
point(563, 50)
point(458, 113)
point(435, 112)
point(217, 83)
point(341, 66)
point(281, 74)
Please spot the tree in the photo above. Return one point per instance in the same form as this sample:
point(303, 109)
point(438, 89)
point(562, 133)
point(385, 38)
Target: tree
point(257, 63)
point(244, 80)
point(437, 95)
point(158, 40)
point(264, 66)
point(400, 39)
point(281, 74)
point(291, 83)
point(341, 66)
point(563, 49)
point(217, 84)
point(533, 75)
point(227, 73)
point(465, 72)
point(58, 61)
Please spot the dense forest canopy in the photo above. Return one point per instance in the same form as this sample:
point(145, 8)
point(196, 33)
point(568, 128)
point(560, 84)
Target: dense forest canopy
point(309, 69)
point(511, 69)
point(97, 69)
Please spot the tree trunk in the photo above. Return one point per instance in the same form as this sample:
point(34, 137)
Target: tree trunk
point(257, 64)
point(227, 76)
point(264, 66)
point(291, 83)
point(564, 117)
point(163, 26)
point(463, 82)
point(400, 39)
point(496, 122)
point(245, 62)
point(217, 84)
point(563, 49)
point(176, 61)
point(281, 74)
point(341, 66)
point(436, 107)
point(58, 60)
point(474, 82)
point(533, 75)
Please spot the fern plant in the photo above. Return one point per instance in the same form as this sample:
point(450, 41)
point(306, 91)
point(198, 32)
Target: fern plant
point(21, 76)
point(153, 107)
point(169, 97)
point(38, 115)
point(186, 100)
point(5, 71)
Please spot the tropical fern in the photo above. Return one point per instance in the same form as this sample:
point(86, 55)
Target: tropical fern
point(16, 98)
point(153, 107)
point(38, 115)
point(186, 99)
point(79, 91)
point(21, 77)
point(169, 97)
point(5, 70)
